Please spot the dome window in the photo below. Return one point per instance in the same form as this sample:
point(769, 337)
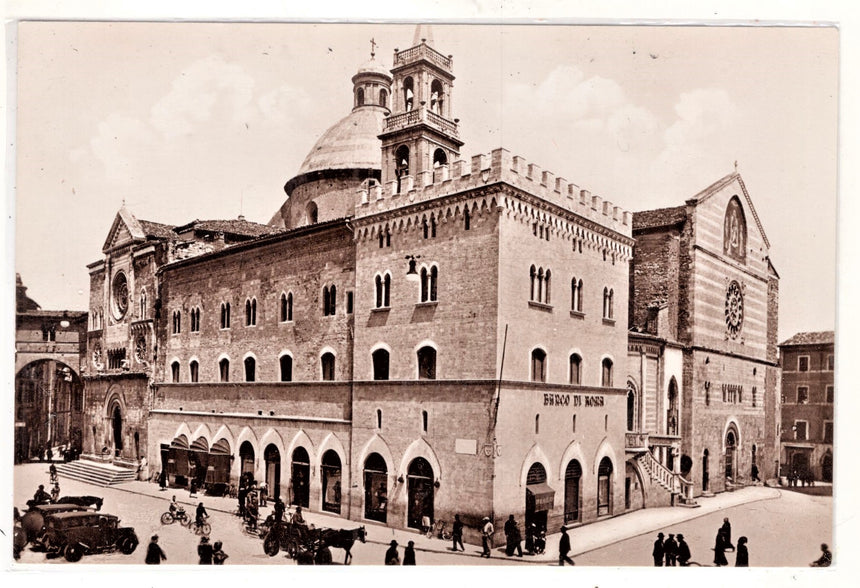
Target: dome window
point(436, 97)
point(401, 164)
point(408, 94)
point(383, 98)
point(313, 213)
point(439, 158)
point(359, 97)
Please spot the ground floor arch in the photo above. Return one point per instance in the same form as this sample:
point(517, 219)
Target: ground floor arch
point(247, 457)
point(420, 493)
point(572, 492)
point(731, 444)
point(332, 474)
point(827, 466)
point(604, 487)
point(272, 456)
point(539, 497)
point(300, 475)
point(705, 470)
point(375, 472)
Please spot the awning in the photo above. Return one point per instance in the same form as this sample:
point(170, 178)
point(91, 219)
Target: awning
point(543, 495)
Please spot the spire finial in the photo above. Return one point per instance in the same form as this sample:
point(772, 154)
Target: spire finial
point(372, 48)
point(736, 166)
point(423, 34)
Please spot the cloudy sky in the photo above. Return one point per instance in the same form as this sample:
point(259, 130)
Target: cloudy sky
point(183, 121)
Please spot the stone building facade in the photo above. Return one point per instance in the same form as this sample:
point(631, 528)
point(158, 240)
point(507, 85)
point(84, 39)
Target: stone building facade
point(49, 351)
point(808, 363)
point(414, 334)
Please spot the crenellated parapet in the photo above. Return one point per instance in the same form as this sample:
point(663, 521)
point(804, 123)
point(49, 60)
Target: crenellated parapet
point(499, 166)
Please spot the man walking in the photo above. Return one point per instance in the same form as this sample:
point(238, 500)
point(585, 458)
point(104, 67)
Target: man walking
point(657, 552)
point(392, 558)
point(514, 537)
point(670, 550)
point(457, 533)
point(154, 553)
point(726, 530)
point(204, 550)
point(684, 555)
point(487, 537)
point(564, 548)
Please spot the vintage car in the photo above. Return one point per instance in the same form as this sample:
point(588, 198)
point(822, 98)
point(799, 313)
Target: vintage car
point(33, 520)
point(74, 534)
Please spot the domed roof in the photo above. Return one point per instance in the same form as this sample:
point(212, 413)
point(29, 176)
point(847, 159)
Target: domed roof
point(351, 143)
point(374, 67)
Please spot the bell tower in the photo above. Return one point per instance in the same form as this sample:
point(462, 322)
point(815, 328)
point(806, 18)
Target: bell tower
point(420, 134)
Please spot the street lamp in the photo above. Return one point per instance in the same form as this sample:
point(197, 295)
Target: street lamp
point(412, 274)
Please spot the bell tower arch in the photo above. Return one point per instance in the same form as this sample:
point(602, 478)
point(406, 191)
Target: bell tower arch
point(421, 122)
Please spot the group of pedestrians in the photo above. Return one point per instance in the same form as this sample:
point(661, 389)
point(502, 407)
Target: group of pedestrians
point(207, 553)
point(671, 552)
point(392, 556)
point(724, 543)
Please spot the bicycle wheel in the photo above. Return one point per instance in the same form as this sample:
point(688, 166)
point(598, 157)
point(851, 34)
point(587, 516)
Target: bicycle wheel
point(203, 529)
point(167, 519)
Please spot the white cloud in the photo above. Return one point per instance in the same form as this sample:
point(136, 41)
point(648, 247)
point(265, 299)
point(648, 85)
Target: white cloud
point(277, 105)
point(118, 144)
point(702, 114)
point(207, 88)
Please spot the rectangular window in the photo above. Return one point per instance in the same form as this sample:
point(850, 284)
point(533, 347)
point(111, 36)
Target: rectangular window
point(349, 303)
point(802, 394)
point(800, 430)
point(754, 396)
point(194, 371)
point(828, 432)
point(803, 363)
point(830, 363)
point(828, 395)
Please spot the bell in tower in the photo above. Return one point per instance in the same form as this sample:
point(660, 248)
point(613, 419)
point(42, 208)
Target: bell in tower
point(421, 134)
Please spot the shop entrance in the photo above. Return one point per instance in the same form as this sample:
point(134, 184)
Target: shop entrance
point(731, 446)
point(273, 470)
point(301, 476)
point(827, 467)
point(375, 488)
point(539, 497)
point(246, 459)
point(331, 487)
point(116, 422)
point(420, 493)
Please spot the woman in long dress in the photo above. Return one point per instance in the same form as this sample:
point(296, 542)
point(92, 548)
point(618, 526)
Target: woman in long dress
point(720, 550)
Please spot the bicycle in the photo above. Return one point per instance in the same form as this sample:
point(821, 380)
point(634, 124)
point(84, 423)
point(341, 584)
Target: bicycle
point(203, 528)
point(179, 515)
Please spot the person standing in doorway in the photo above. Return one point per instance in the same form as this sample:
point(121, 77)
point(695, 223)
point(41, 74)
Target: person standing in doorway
point(742, 557)
point(457, 534)
point(657, 552)
point(409, 554)
point(670, 550)
point(564, 548)
point(154, 553)
point(204, 550)
point(684, 555)
point(487, 531)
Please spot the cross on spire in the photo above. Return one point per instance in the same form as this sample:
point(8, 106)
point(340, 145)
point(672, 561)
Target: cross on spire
point(372, 48)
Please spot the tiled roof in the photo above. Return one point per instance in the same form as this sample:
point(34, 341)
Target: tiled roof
point(157, 229)
point(816, 338)
point(661, 217)
point(236, 227)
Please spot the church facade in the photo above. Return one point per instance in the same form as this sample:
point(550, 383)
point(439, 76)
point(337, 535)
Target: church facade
point(412, 335)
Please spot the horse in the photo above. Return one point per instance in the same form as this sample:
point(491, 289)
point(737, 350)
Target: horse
point(82, 501)
point(343, 539)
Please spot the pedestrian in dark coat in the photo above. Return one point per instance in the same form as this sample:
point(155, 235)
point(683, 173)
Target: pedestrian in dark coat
point(409, 554)
point(154, 553)
point(515, 538)
point(457, 533)
point(530, 538)
point(392, 558)
point(657, 552)
point(727, 534)
point(162, 480)
point(204, 550)
point(742, 557)
point(684, 555)
point(564, 548)
point(720, 550)
point(670, 550)
point(509, 534)
point(218, 555)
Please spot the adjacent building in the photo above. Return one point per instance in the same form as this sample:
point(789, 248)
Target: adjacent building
point(807, 361)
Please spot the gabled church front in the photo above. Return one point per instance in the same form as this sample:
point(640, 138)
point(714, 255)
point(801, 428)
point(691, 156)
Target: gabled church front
point(417, 335)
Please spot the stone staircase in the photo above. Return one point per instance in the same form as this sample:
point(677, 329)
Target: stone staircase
point(96, 472)
point(670, 481)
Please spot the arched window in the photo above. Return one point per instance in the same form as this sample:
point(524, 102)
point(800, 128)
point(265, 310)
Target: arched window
point(408, 95)
point(225, 315)
point(380, 364)
point(329, 300)
point(467, 219)
point(224, 369)
point(359, 97)
point(383, 98)
point(672, 408)
point(604, 486)
point(327, 363)
point(606, 303)
point(383, 288)
point(401, 165)
point(575, 369)
point(735, 231)
point(537, 424)
point(250, 369)
point(174, 371)
point(428, 283)
point(312, 213)
point(378, 418)
point(425, 421)
point(194, 370)
point(539, 285)
point(286, 307)
point(143, 304)
point(427, 363)
point(631, 406)
point(250, 312)
point(437, 97)
point(177, 322)
point(606, 379)
point(286, 368)
point(546, 287)
point(533, 277)
point(538, 365)
point(379, 291)
point(440, 158)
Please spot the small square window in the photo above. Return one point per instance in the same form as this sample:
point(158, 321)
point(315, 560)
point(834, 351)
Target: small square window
point(800, 430)
point(830, 363)
point(802, 395)
point(803, 363)
point(827, 437)
point(828, 395)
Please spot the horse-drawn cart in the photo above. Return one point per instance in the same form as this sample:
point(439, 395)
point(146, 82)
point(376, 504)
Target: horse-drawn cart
point(309, 545)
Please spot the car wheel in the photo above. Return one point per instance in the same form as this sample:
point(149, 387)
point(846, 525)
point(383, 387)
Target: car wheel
point(167, 518)
point(74, 552)
point(50, 542)
point(270, 545)
point(127, 545)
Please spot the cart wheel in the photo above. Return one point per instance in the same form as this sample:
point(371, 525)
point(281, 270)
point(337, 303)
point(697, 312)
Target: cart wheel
point(74, 552)
point(304, 558)
point(167, 519)
point(127, 545)
point(323, 557)
point(270, 545)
